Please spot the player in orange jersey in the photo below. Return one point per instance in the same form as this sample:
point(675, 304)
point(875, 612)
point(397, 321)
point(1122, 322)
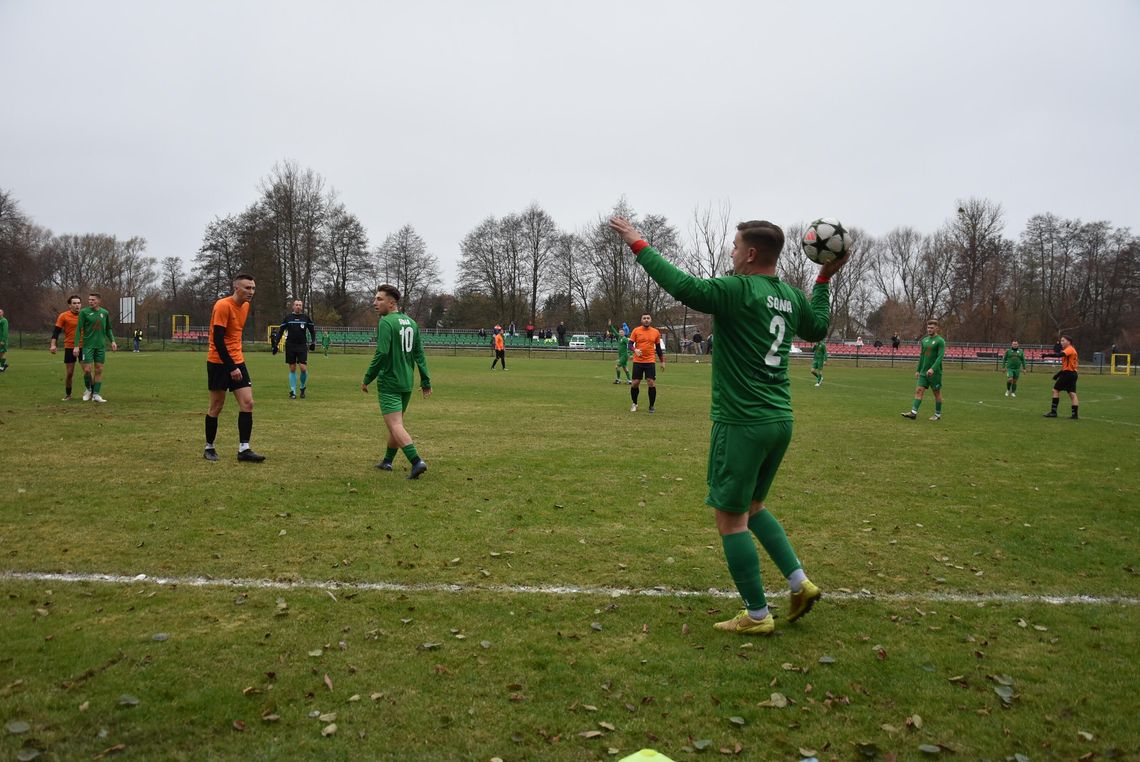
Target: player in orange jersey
point(1066, 379)
point(648, 348)
point(225, 368)
point(65, 324)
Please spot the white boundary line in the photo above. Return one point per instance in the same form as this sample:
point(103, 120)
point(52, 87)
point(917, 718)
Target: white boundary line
point(979, 599)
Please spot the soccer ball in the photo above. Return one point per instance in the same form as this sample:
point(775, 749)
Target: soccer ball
point(825, 240)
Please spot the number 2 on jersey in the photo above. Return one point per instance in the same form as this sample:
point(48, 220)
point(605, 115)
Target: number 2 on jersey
point(772, 359)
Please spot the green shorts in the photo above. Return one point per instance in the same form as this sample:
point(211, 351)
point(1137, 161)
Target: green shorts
point(930, 382)
point(1014, 374)
point(743, 460)
point(88, 355)
point(394, 402)
point(817, 366)
point(623, 362)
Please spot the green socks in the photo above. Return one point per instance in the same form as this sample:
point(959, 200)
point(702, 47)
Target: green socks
point(95, 387)
point(410, 451)
point(914, 405)
point(390, 454)
point(775, 541)
point(937, 408)
point(744, 566)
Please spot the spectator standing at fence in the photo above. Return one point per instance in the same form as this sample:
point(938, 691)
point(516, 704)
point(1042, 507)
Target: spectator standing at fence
point(3, 342)
point(818, 359)
point(500, 348)
point(561, 334)
point(757, 315)
point(929, 371)
point(1013, 362)
point(65, 324)
point(896, 342)
point(697, 339)
point(1066, 379)
point(138, 337)
point(530, 331)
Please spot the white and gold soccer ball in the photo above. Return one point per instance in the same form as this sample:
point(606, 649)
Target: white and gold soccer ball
point(825, 240)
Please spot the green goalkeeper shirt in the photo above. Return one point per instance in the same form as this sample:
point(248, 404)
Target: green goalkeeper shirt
point(623, 344)
point(93, 329)
point(398, 352)
point(931, 354)
point(1014, 359)
point(754, 320)
point(819, 354)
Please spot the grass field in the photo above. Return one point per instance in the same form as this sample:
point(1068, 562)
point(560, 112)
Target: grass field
point(546, 591)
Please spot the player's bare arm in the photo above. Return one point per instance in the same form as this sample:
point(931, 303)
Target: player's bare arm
point(625, 229)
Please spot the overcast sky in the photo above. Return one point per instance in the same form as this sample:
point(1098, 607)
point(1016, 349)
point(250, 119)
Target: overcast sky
point(135, 117)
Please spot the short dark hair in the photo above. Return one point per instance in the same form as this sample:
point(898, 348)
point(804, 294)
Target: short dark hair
point(244, 276)
point(390, 290)
point(1067, 337)
point(73, 296)
point(96, 293)
point(766, 238)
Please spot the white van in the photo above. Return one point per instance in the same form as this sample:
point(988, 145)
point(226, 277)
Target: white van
point(578, 341)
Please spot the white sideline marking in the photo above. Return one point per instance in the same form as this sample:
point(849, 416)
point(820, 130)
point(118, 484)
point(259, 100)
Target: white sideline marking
point(609, 592)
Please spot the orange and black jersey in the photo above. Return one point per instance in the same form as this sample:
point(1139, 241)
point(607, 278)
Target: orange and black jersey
point(65, 324)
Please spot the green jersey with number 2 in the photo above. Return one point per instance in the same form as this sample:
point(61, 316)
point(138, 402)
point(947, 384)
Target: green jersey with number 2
point(755, 318)
point(398, 352)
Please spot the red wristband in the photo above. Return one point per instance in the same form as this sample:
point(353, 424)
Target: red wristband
point(638, 245)
point(821, 279)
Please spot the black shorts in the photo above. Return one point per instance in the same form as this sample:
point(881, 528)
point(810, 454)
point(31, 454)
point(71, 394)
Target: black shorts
point(296, 353)
point(219, 380)
point(644, 370)
point(1066, 381)
point(69, 357)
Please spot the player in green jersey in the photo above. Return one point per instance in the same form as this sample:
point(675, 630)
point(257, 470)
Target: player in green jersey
point(92, 335)
point(1013, 362)
point(929, 371)
point(398, 352)
point(622, 363)
point(755, 316)
point(3, 342)
point(326, 340)
point(818, 358)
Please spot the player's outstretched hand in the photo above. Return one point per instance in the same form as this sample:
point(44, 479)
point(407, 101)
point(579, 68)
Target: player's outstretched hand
point(427, 392)
point(625, 229)
point(834, 266)
point(312, 347)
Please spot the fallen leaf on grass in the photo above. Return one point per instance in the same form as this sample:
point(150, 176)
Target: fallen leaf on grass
point(736, 720)
point(18, 726)
point(327, 717)
point(111, 750)
point(777, 700)
point(702, 744)
point(914, 721)
point(590, 733)
point(826, 659)
point(328, 681)
point(1084, 735)
point(316, 652)
point(239, 726)
point(270, 717)
point(607, 726)
point(429, 646)
point(27, 754)
point(128, 700)
point(927, 748)
point(328, 730)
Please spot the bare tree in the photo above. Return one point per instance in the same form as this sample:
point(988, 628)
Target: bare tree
point(346, 268)
point(404, 261)
point(540, 236)
point(793, 266)
point(172, 277)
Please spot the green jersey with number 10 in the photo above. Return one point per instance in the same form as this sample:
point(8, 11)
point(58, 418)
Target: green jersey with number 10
point(755, 318)
point(398, 352)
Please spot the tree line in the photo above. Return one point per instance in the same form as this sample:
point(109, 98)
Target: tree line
point(300, 241)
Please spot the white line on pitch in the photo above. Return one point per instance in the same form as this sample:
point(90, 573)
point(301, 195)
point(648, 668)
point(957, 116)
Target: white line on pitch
point(609, 592)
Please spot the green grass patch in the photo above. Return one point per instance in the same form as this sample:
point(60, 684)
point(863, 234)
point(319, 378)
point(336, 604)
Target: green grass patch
point(540, 476)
